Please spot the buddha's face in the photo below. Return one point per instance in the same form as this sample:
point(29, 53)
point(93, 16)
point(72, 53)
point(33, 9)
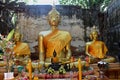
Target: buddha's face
point(53, 18)
point(17, 37)
point(95, 35)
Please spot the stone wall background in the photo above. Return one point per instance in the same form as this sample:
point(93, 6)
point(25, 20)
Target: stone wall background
point(34, 20)
point(112, 28)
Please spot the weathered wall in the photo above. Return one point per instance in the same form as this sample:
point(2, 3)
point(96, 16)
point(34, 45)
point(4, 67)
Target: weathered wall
point(35, 20)
point(112, 29)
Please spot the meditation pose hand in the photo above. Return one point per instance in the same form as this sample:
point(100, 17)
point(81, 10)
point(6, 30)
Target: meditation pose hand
point(54, 39)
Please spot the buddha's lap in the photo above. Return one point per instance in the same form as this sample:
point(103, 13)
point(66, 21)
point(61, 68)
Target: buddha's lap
point(46, 64)
point(108, 59)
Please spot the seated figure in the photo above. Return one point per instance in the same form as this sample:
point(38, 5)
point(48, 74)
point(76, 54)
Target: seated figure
point(95, 49)
point(54, 39)
point(20, 49)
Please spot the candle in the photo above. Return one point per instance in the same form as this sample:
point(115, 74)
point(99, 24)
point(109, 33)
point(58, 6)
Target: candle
point(29, 66)
point(35, 78)
point(80, 70)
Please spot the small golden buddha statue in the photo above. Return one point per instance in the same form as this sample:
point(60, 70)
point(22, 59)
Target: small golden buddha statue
point(54, 39)
point(96, 49)
point(20, 49)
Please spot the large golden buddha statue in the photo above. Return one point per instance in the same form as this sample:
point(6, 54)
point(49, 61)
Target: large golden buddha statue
point(54, 40)
point(97, 49)
point(20, 48)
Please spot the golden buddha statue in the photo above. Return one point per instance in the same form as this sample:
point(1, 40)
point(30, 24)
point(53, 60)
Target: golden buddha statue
point(54, 39)
point(20, 49)
point(96, 49)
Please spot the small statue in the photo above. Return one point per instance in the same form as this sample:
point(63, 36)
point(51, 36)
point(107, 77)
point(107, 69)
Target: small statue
point(21, 50)
point(96, 49)
point(20, 47)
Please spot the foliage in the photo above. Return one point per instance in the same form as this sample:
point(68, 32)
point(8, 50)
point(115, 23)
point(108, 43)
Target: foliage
point(5, 44)
point(8, 14)
point(87, 4)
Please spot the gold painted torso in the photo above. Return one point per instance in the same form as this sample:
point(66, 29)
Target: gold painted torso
point(21, 49)
point(97, 49)
point(57, 40)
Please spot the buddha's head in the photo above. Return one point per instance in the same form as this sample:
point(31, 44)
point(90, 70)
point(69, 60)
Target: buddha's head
point(17, 36)
point(54, 17)
point(94, 34)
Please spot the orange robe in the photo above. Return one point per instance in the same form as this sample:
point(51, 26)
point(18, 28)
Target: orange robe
point(97, 49)
point(57, 40)
point(21, 49)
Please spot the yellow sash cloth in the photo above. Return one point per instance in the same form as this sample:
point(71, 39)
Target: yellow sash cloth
point(56, 40)
point(21, 49)
point(97, 49)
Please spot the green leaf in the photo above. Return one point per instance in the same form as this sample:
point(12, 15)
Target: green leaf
point(10, 35)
